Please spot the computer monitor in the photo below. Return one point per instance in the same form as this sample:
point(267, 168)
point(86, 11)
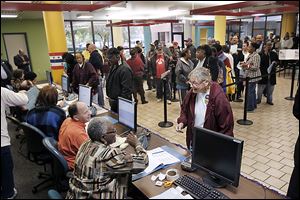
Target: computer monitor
point(85, 94)
point(127, 113)
point(65, 84)
point(218, 154)
point(49, 77)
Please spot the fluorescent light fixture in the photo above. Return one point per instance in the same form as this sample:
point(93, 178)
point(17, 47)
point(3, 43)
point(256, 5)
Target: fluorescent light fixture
point(9, 15)
point(175, 8)
point(115, 8)
point(257, 15)
point(119, 6)
point(84, 16)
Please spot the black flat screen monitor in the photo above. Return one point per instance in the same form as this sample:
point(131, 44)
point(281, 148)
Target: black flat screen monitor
point(127, 113)
point(218, 154)
point(49, 77)
point(65, 84)
point(85, 94)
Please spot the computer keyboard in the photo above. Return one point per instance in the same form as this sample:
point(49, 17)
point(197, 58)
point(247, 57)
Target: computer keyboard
point(60, 97)
point(198, 189)
point(72, 97)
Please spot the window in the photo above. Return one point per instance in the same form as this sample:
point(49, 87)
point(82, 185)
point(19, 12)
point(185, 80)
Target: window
point(136, 33)
point(82, 34)
point(68, 33)
point(102, 34)
point(125, 37)
point(259, 26)
point(233, 27)
point(273, 25)
point(246, 28)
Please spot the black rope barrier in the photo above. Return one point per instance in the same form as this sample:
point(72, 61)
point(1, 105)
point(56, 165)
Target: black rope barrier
point(245, 121)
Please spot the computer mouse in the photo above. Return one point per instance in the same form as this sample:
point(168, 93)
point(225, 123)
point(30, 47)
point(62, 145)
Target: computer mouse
point(124, 146)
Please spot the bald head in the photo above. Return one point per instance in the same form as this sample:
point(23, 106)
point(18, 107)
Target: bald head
point(91, 48)
point(79, 112)
point(21, 52)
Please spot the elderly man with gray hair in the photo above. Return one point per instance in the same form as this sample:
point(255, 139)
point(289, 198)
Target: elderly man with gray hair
point(101, 171)
point(205, 105)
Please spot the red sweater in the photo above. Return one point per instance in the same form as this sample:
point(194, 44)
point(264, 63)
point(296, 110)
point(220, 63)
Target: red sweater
point(137, 66)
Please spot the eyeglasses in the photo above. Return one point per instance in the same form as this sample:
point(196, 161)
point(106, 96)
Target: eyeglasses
point(110, 132)
point(195, 84)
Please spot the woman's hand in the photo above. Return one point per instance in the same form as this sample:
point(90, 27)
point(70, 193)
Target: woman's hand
point(179, 127)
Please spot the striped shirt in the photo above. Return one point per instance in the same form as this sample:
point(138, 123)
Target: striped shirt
point(95, 171)
point(253, 61)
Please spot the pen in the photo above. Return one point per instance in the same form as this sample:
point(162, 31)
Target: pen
point(157, 152)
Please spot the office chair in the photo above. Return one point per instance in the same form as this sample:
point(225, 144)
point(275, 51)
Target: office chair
point(60, 169)
point(36, 152)
point(53, 194)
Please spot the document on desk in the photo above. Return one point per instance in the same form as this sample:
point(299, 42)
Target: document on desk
point(172, 193)
point(159, 158)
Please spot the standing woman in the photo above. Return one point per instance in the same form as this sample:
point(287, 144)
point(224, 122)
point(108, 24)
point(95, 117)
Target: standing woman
point(183, 67)
point(84, 73)
point(252, 69)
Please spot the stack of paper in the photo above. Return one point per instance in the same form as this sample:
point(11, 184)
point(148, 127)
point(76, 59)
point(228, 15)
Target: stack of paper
point(158, 159)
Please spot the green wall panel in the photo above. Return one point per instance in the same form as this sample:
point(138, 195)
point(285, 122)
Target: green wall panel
point(37, 42)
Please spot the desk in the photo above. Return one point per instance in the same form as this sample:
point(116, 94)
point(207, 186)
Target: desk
point(247, 188)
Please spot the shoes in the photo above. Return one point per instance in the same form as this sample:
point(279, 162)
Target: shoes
point(153, 90)
point(169, 102)
point(158, 100)
point(258, 102)
point(250, 111)
point(148, 89)
point(144, 102)
point(270, 103)
point(14, 195)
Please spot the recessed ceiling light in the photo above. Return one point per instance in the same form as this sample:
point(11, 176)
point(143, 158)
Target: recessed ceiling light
point(9, 16)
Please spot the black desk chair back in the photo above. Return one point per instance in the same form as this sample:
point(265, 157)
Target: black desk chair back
point(59, 165)
point(36, 152)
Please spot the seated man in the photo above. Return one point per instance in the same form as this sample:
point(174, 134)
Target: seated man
point(97, 162)
point(72, 132)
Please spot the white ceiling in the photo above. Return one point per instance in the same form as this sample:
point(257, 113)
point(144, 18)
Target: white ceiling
point(151, 10)
point(134, 10)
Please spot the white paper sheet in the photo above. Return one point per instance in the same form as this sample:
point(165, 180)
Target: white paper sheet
point(172, 193)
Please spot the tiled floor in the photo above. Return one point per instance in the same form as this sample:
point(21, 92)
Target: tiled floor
point(268, 143)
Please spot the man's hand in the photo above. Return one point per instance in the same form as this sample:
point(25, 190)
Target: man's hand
point(179, 127)
point(132, 140)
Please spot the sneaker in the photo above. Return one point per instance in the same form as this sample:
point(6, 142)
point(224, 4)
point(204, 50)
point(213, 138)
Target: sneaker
point(270, 103)
point(14, 195)
point(154, 90)
point(169, 102)
point(158, 100)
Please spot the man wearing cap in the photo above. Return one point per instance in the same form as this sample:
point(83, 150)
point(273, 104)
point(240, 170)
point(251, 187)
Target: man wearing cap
point(189, 45)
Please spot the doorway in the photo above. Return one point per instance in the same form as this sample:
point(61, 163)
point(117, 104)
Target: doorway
point(12, 43)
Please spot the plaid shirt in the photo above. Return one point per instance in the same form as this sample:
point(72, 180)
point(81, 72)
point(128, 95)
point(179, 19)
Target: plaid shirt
point(254, 61)
point(95, 172)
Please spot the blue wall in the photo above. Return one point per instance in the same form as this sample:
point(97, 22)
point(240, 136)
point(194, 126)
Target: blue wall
point(210, 33)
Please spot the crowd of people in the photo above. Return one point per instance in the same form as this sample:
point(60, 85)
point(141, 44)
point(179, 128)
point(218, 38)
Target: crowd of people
point(200, 76)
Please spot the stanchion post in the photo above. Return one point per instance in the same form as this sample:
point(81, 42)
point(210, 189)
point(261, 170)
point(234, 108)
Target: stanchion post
point(244, 121)
point(165, 123)
point(291, 98)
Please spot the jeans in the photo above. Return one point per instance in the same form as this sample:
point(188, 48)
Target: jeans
point(251, 105)
point(269, 88)
point(7, 176)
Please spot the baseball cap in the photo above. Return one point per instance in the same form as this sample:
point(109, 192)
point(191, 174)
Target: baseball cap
point(159, 46)
point(188, 40)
